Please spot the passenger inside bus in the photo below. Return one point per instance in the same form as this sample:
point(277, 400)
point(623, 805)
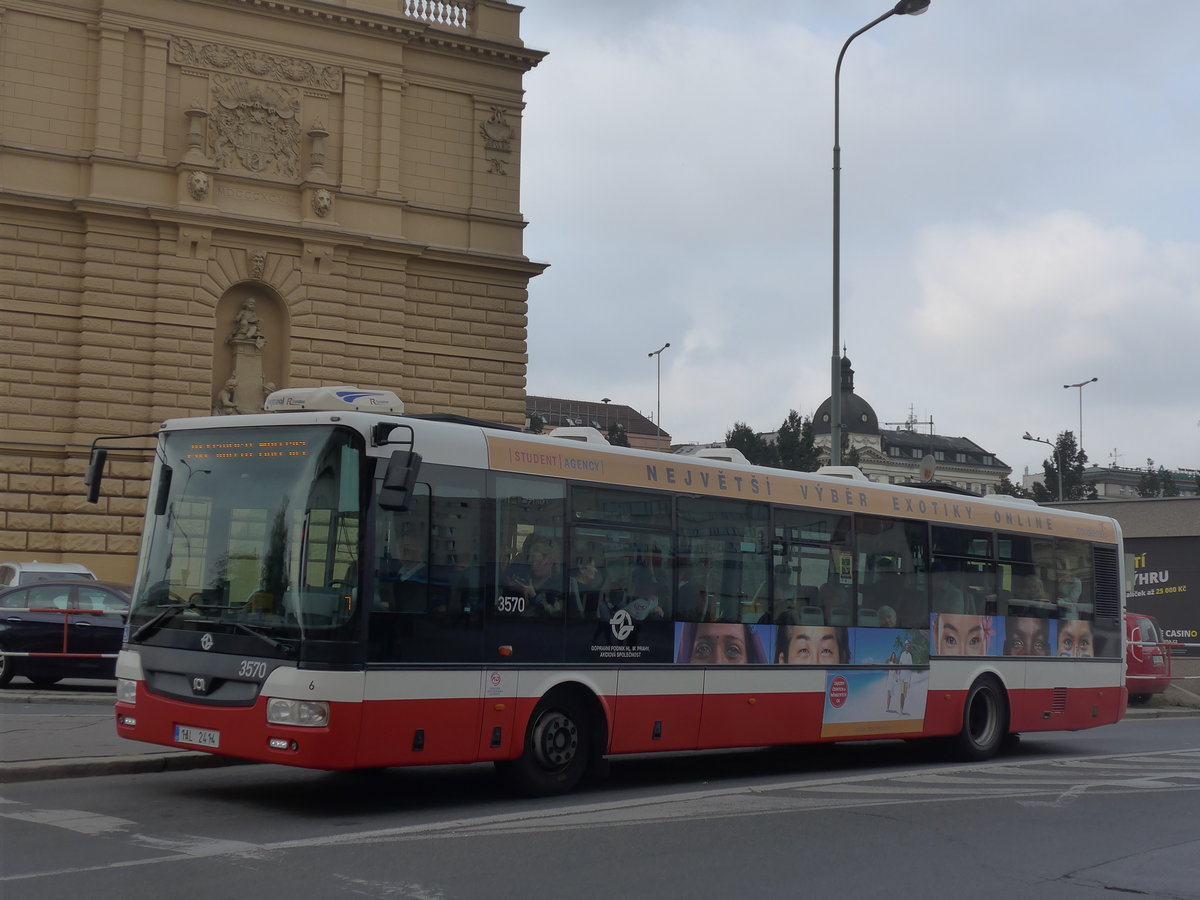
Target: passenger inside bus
point(537, 579)
point(645, 601)
point(404, 578)
point(587, 586)
point(948, 594)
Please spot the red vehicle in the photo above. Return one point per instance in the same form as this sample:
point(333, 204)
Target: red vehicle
point(1147, 657)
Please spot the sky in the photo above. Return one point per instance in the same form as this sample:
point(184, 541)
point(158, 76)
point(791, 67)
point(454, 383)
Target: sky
point(1019, 211)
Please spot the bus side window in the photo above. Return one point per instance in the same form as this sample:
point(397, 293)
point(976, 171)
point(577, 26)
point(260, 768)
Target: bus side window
point(530, 576)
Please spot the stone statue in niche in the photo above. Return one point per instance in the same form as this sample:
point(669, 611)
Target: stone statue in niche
point(246, 387)
point(226, 404)
point(246, 326)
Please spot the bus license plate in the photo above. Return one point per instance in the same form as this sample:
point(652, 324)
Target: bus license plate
point(201, 737)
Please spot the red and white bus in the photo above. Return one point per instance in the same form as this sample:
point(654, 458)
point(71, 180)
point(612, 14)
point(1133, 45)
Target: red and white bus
point(337, 585)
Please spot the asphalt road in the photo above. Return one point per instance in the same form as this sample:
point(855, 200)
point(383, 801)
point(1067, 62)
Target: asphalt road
point(1062, 816)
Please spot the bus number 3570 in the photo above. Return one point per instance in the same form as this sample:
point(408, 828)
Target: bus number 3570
point(510, 604)
point(252, 668)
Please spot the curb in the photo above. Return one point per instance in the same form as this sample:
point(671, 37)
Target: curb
point(86, 767)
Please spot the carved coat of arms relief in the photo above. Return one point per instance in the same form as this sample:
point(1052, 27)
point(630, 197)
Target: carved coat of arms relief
point(256, 127)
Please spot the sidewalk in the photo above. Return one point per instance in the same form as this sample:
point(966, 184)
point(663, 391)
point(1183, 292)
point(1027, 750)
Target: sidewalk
point(69, 732)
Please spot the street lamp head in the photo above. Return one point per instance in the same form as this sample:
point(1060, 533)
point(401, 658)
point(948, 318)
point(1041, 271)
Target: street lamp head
point(911, 7)
point(1027, 436)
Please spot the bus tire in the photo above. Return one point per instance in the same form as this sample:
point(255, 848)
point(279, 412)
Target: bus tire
point(558, 749)
point(985, 721)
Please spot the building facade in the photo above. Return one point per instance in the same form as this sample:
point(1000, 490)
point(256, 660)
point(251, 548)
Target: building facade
point(1121, 483)
point(558, 412)
point(205, 199)
point(901, 455)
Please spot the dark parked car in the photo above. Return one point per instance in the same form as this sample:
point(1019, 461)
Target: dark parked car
point(61, 629)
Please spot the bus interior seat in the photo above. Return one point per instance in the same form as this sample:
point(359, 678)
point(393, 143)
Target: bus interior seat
point(812, 615)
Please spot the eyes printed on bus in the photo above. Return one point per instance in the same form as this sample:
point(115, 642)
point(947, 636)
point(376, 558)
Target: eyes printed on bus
point(720, 643)
point(1075, 639)
point(812, 645)
point(956, 634)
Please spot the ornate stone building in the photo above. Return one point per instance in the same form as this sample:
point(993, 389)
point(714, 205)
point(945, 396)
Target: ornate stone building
point(202, 199)
point(898, 456)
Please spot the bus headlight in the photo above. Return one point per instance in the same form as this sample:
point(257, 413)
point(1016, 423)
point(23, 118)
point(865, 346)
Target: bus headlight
point(305, 713)
point(126, 690)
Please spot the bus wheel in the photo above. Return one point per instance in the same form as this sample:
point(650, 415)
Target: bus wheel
point(558, 747)
point(985, 721)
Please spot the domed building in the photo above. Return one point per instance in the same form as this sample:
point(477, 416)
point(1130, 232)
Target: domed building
point(897, 456)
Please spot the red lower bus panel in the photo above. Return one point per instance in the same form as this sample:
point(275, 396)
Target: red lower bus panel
point(243, 731)
point(419, 732)
point(647, 724)
point(750, 720)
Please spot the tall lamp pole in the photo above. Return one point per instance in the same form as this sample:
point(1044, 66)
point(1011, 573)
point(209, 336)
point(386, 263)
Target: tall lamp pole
point(903, 8)
point(658, 413)
point(1080, 385)
point(1057, 459)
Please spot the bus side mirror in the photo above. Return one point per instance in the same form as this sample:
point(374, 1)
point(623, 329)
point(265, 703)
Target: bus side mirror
point(399, 479)
point(164, 490)
point(94, 473)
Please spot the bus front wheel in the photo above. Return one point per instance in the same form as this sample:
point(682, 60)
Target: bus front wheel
point(985, 721)
point(558, 747)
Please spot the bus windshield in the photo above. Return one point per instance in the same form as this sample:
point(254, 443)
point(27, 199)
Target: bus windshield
point(255, 531)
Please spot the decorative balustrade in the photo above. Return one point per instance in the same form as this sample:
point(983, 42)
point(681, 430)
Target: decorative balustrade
point(439, 12)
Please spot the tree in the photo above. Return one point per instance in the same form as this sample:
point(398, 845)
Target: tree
point(617, 436)
point(1013, 490)
point(795, 445)
point(536, 424)
point(850, 455)
point(1169, 487)
point(1073, 460)
point(1157, 484)
point(754, 448)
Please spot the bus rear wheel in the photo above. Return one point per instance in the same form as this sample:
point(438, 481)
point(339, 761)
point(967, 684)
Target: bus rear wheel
point(985, 721)
point(558, 748)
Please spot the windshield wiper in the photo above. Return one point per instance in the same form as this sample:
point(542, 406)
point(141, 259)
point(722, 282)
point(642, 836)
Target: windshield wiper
point(148, 628)
point(278, 646)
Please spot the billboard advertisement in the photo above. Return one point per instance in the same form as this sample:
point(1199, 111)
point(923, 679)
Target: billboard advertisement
point(1164, 582)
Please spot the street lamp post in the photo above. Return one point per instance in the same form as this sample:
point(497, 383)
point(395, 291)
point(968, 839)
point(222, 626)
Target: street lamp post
point(658, 412)
point(1057, 459)
point(903, 8)
point(1080, 385)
